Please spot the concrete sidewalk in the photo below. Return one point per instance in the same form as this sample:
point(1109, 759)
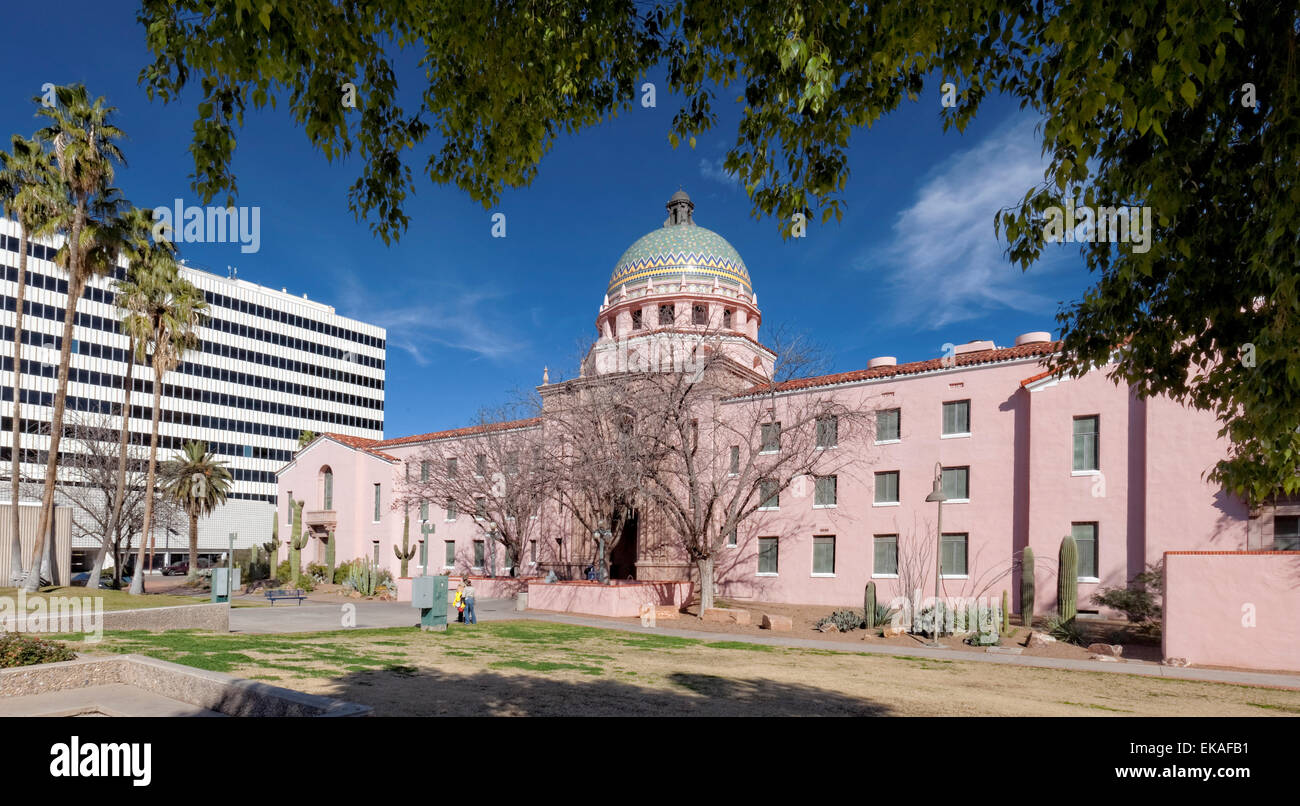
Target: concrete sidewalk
point(320, 618)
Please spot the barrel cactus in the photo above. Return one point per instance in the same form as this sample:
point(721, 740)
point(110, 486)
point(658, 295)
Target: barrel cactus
point(407, 551)
point(1027, 587)
point(1067, 579)
point(869, 605)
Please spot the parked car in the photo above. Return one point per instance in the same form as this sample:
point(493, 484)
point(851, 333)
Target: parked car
point(177, 569)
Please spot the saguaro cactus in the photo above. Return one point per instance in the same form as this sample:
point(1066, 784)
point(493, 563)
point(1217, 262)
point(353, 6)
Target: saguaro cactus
point(869, 605)
point(297, 542)
point(1027, 587)
point(329, 553)
point(1067, 579)
point(1006, 614)
point(407, 551)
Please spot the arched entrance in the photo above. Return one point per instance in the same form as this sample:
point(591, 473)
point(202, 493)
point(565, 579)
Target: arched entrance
point(622, 560)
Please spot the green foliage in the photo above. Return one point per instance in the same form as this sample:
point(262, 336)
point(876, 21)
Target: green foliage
point(20, 649)
point(1068, 630)
point(1027, 587)
point(284, 576)
point(1067, 579)
point(1141, 601)
point(1133, 102)
point(363, 577)
point(331, 543)
point(844, 620)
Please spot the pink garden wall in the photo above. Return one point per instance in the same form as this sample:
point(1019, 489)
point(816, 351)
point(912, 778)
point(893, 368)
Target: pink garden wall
point(1233, 608)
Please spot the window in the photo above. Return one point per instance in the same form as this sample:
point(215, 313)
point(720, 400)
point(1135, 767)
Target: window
point(699, 315)
point(532, 551)
point(885, 556)
point(824, 555)
point(451, 510)
point(1086, 455)
point(376, 503)
point(735, 460)
point(1085, 538)
point(424, 470)
point(956, 483)
point(424, 510)
point(888, 424)
point(956, 418)
point(452, 468)
point(636, 320)
point(665, 314)
point(726, 318)
point(478, 553)
point(771, 438)
point(328, 502)
point(769, 495)
point(480, 465)
point(512, 463)
point(953, 560)
point(767, 556)
point(480, 507)
point(828, 432)
point(1286, 533)
point(449, 553)
point(731, 539)
point(825, 492)
point(887, 487)
point(288, 500)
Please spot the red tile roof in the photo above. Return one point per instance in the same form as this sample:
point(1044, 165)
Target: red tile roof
point(993, 356)
point(460, 432)
point(361, 444)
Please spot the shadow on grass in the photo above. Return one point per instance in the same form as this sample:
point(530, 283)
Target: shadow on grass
point(434, 693)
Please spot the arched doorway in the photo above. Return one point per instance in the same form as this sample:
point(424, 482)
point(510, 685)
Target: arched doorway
point(622, 560)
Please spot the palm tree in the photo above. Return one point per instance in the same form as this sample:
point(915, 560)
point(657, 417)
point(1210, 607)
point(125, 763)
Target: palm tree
point(85, 148)
point(28, 192)
point(148, 264)
point(199, 483)
point(170, 315)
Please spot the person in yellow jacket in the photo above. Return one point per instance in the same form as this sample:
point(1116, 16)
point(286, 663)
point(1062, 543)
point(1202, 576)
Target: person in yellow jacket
point(459, 602)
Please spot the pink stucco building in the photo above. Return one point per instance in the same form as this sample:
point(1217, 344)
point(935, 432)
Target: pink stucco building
point(1027, 457)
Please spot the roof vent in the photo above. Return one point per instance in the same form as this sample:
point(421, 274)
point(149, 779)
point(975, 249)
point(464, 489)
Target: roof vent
point(1035, 337)
point(974, 347)
point(882, 361)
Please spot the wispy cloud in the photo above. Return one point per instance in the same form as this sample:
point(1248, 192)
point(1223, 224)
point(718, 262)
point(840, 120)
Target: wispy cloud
point(713, 170)
point(455, 318)
point(944, 263)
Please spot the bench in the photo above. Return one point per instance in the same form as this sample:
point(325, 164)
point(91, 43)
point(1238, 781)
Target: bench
point(277, 594)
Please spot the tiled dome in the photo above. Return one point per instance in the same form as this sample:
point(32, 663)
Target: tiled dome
point(680, 247)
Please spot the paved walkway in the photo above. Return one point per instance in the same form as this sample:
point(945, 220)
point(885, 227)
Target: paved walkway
point(111, 699)
point(317, 617)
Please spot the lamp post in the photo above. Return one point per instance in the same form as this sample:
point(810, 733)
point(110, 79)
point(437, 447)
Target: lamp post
point(936, 496)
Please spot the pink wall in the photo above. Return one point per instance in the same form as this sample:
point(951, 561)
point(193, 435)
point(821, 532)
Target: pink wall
point(1211, 597)
point(614, 601)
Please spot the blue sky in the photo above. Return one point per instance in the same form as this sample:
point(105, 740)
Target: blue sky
point(913, 264)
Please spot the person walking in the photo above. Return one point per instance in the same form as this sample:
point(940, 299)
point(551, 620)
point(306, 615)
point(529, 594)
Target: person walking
point(459, 601)
point(470, 618)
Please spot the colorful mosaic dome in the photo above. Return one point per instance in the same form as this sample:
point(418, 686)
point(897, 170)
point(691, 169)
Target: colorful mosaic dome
point(681, 247)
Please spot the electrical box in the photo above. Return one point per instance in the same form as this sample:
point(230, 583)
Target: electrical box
point(429, 596)
point(220, 584)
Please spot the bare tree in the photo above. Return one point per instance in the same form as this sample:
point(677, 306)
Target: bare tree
point(495, 474)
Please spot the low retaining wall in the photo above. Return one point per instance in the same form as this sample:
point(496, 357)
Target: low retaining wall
point(484, 587)
point(1233, 608)
point(214, 617)
point(617, 600)
point(223, 693)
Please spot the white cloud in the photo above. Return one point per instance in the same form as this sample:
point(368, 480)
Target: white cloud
point(944, 263)
point(714, 171)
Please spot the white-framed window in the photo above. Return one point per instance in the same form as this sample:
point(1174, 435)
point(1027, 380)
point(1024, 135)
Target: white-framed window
point(824, 555)
point(952, 561)
point(767, 556)
point(886, 488)
point(1087, 436)
point(479, 550)
point(424, 470)
point(956, 484)
point(771, 434)
point(889, 424)
point(1286, 533)
point(451, 510)
point(828, 432)
point(956, 418)
point(532, 551)
point(885, 556)
point(825, 491)
point(449, 553)
point(1085, 539)
point(769, 495)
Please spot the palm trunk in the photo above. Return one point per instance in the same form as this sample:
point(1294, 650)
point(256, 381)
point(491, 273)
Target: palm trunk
point(706, 584)
point(75, 283)
point(115, 518)
point(137, 578)
point(194, 541)
point(16, 550)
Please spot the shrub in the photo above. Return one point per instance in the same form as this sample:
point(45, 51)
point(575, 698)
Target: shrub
point(844, 620)
point(317, 571)
point(17, 649)
point(284, 576)
point(1068, 630)
point(342, 570)
point(1141, 600)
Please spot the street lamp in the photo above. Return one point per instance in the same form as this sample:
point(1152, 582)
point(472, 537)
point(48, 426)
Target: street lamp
point(936, 496)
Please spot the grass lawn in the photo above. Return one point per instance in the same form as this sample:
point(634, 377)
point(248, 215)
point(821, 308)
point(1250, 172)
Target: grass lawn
point(122, 600)
point(542, 668)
